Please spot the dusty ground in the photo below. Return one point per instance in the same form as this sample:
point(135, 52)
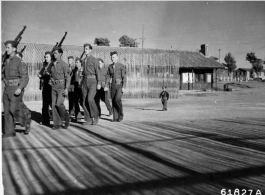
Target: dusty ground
point(205, 142)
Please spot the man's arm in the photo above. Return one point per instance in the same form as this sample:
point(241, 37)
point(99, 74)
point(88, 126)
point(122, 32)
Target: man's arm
point(66, 76)
point(124, 76)
point(23, 74)
point(96, 65)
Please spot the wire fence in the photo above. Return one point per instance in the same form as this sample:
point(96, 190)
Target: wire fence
point(147, 70)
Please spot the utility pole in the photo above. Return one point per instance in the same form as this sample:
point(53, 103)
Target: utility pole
point(142, 45)
point(219, 55)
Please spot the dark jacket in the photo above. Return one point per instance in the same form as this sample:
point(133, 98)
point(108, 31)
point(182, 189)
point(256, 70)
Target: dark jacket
point(103, 77)
point(45, 74)
point(164, 95)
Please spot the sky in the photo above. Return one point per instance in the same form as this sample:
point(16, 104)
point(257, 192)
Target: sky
point(237, 27)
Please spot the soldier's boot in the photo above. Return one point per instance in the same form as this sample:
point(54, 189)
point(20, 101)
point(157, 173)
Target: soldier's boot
point(67, 121)
point(28, 124)
point(95, 120)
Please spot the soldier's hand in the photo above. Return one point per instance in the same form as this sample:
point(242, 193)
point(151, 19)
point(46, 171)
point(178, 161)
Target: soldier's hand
point(122, 89)
point(18, 91)
point(98, 87)
point(106, 89)
point(65, 93)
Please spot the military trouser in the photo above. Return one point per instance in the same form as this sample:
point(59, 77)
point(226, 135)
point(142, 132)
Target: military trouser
point(104, 97)
point(46, 102)
point(89, 91)
point(78, 98)
point(116, 95)
point(164, 102)
point(14, 108)
point(71, 99)
point(58, 109)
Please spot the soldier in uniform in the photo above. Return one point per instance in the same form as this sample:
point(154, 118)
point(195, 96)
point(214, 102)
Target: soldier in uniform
point(45, 75)
point(102, 93)
point(117, 74)
point(90, 84)
point(78, 96)
point(15, 79)
point(71, 63)
point(60, 81)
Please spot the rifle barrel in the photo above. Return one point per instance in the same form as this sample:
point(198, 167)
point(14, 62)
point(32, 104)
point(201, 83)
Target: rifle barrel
point(19, 34)
point(62, 40)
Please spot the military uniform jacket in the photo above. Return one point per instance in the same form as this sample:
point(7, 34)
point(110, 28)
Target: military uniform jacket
point(16, 69)
point(90, 65)
point(60, 71)
point(103, 76)
point(164, 95)
point(117, 74)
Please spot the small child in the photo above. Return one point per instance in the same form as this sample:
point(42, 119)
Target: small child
point(164, 95)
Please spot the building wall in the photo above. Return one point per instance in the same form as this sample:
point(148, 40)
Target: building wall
point(147, 70)
point(196, 79)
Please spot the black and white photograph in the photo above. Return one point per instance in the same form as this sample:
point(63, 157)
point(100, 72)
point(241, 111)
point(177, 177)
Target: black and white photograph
point(133, 98)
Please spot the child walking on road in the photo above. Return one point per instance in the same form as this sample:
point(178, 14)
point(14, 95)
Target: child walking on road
point(164, 95)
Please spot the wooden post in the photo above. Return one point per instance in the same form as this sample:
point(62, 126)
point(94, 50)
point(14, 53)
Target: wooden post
point(192, 78)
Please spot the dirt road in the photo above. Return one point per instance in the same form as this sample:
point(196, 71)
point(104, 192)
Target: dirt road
point(205, 142)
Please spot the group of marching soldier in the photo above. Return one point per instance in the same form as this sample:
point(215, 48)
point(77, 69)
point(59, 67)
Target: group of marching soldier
point(84, 81)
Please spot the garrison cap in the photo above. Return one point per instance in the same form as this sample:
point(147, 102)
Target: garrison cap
point(70, 57)
point(48, 52)
point(77, 58)
point(13, 43)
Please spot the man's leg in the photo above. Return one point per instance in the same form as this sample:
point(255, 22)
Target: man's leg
point(61, 108)
point(88, 119)
point(23, 114)
point(97, 101)
point(107, 102)
point(8, 129)
point(118, 103)
point(76, 104)
point(93, 110)
point(45, 109)
point(114, 105)
point(57, 122)
point(71, 101)
point(165, 104)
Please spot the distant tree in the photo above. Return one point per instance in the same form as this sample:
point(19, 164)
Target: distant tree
point(101, 42)
point(251, 57)
point(126, 41)
point(257, 64)
point(230, 62)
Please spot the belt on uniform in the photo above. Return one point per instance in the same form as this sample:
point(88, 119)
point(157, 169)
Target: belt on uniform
point(118, 81)
point(13, 82)
point(91, 76)
point(59, 81)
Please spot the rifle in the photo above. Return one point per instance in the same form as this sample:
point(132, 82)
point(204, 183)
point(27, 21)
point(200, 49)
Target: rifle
point(23, 49)
point(82, 55)
point(17, 40)
point(49, 68)
point(62, 40)
point(54, 47)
